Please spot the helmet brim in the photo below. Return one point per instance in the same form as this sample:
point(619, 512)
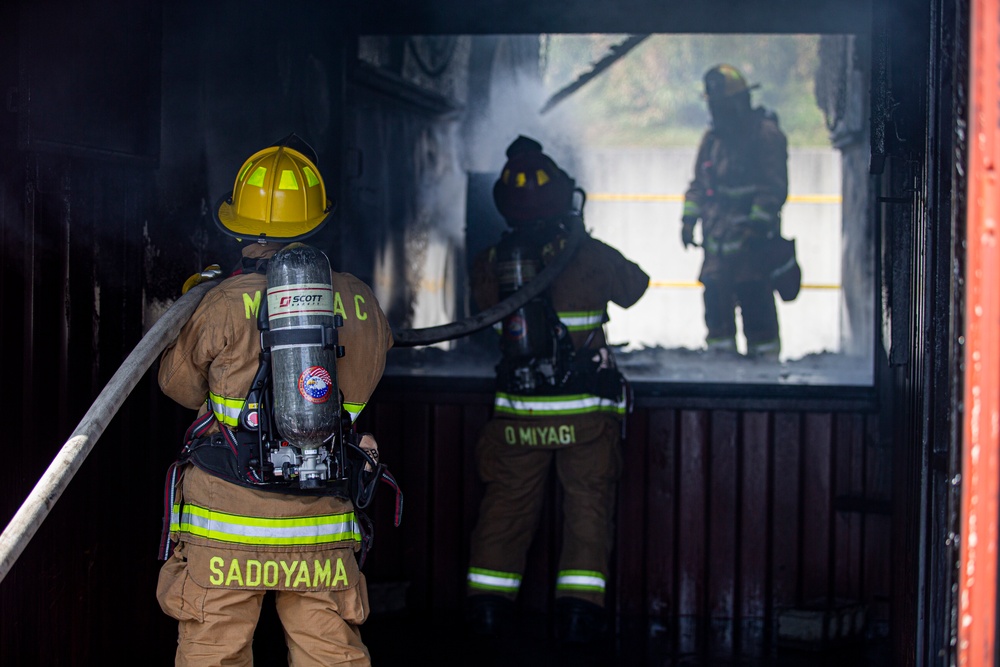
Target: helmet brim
point(754, 86)
point(239, 227)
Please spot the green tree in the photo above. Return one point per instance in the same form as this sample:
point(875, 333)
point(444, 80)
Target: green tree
point(652, 96)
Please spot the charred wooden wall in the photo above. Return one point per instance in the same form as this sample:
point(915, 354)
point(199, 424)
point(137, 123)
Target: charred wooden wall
point(919, 154)
point(729, 512)
point(727, 515)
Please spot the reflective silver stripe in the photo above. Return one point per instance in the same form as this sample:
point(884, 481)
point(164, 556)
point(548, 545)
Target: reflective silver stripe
point(787, 266)
point(492, 580)
point(556, 405)
point(272, 531)
point(759, 214)
point(227, 410)
point(580, 580)
point(767, 346)
point(582, 320)
point(723, 344)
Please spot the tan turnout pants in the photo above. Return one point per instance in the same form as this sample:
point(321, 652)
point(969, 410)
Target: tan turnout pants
point(515, 476)
point(216, 625)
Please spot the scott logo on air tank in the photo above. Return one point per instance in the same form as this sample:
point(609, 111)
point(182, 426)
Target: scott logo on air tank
point(297, 300)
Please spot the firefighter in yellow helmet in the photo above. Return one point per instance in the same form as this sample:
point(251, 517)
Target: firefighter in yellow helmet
point(560, 402)
point(739, 187)
point(231, 536)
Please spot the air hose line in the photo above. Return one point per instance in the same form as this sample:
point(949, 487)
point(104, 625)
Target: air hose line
point(481, 320)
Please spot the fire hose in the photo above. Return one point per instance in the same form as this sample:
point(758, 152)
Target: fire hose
point(470, 325)
point(64, 466)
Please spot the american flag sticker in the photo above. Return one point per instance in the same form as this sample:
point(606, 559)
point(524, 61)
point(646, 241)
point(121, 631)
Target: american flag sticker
point(315, 384)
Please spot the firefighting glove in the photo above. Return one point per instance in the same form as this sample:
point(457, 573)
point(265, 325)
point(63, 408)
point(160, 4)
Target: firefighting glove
point(687, 231)
point(369, 447)
point(211, 272)
point(762, 222)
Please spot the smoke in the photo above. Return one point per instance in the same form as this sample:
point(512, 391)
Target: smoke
point(440, 181)
point(515, 99)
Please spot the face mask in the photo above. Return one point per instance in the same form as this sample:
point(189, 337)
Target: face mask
point(729, 113)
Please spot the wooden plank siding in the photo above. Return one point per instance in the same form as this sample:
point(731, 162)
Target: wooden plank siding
point(725, 516)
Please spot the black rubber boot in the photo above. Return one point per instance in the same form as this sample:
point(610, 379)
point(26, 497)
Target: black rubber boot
point(579, 622)
point(489, 615)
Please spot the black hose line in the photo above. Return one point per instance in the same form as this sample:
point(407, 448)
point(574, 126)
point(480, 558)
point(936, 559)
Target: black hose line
point(470, 325)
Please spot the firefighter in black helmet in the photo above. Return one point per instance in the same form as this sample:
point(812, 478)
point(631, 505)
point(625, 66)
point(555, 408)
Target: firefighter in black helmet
point(560, 401)
point(739, 187)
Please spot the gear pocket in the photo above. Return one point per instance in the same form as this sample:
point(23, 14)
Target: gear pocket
point(180, 597)
point(353, 603)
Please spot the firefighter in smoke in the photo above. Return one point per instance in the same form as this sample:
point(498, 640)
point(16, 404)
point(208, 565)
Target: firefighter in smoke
point(236, 537)
point(740, 184)
point(560, 401)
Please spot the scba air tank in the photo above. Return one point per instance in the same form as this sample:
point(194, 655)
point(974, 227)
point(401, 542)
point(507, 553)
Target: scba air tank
point(303, 350)
point(526, 331)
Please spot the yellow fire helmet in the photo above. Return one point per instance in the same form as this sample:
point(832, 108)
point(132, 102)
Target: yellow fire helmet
point(278, 196)
point(725, 81)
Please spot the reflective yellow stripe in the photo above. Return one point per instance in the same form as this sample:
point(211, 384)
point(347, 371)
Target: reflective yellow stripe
point(257, 177)
point(311, 177)
point(538, 406)
point(759, 214)
point(580, 580)
point(493, 580)
point(227, 410)
point(354, 409)
point(582, 320)
point(270, 531)
point(288, 180)
point(244, 172)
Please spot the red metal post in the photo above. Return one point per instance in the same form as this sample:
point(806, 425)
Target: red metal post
point(980, 480)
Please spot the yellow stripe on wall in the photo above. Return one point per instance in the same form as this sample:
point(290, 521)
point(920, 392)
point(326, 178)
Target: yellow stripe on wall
point(638, 197)
point(691, 284)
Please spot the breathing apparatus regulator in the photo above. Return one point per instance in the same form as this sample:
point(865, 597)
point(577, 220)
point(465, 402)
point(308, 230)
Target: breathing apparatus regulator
point(536, 348)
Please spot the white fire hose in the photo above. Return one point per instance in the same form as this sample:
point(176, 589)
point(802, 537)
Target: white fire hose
point(67, 462)
point(64, 466)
